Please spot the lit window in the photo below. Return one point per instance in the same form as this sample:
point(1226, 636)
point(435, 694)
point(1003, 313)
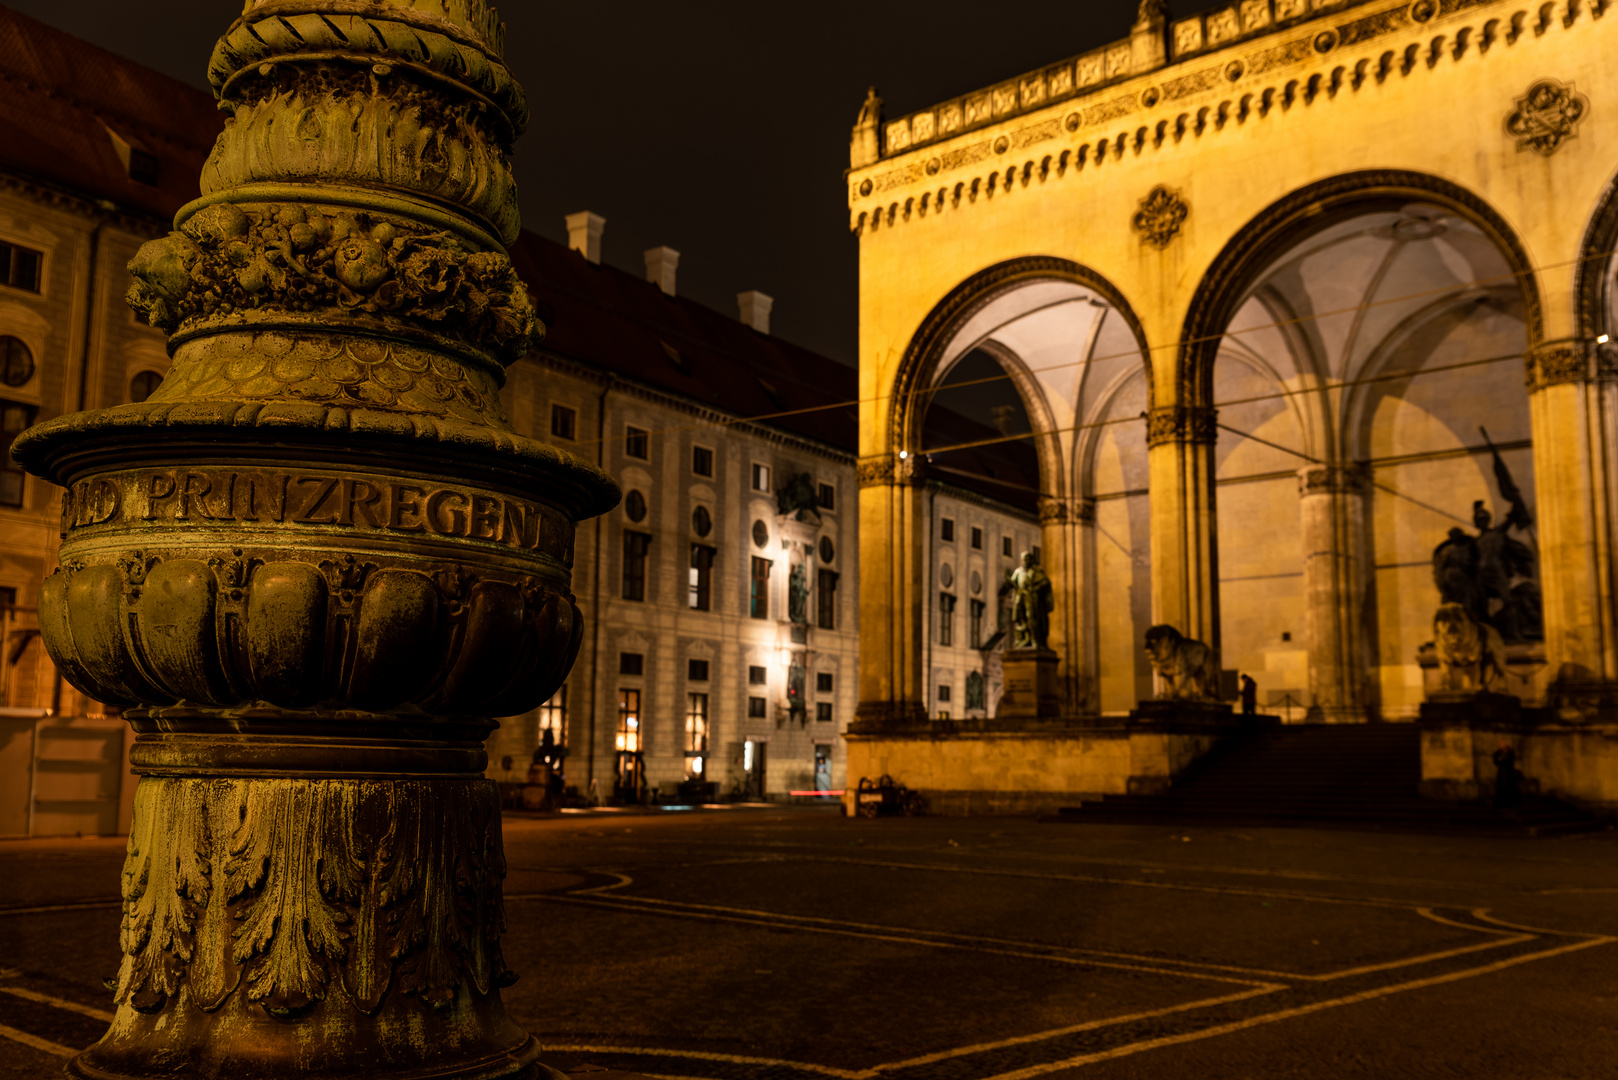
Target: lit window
point(696, 734)
point(701, 577)
point(553, 716)
point(628, 740)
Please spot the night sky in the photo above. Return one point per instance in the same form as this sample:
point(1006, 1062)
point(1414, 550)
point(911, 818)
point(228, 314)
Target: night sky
point(718, 128)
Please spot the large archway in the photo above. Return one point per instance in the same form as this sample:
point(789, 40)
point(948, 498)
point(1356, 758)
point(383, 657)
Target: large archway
point(1362, 356)
point(987, 413)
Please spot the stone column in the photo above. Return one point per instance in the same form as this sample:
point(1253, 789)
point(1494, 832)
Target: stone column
point(1185, 557)
point(894, 586)
point(1067, 541)
point(1573, 403)
point(1332, 511)
point(318, 560)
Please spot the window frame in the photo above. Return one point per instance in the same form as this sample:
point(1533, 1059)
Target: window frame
point(758, 595)
point(977, 538)
point(637, 549)
point(699, 595)
point(691, 669)
point(977, 609)
point(825, 682)
point(946, 620)
point(637, 436)
point(8, 269)
point(558, 412)
point(946, 530)
point(758, 675)
point(698, 448)
point(824, 713)
point(758, 708)
point(632, 663)
point(630, 729)
point(552, 715)
point(759, 469)
point(12, 474)
point(826, 598)
point(821, 491)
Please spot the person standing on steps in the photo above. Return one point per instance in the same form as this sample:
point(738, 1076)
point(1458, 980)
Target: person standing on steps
point(1249, 695)
point(1507, 779)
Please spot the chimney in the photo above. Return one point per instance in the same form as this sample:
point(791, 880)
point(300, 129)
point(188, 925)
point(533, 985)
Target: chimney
point(584, 234)
point(661, 262)
point(755, 309)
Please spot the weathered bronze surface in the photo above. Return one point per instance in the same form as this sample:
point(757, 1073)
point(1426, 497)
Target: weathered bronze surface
point(318, 559)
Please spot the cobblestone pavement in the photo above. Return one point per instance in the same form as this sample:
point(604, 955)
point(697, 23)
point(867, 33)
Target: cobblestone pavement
point(796, 945)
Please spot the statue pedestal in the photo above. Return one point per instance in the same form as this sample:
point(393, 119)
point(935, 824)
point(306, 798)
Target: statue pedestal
point(1031, 691)
point(1218, 713)
point(1480, 706)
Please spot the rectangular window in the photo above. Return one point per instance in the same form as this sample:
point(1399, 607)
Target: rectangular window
point(828, 497)
point(636, 545)
point(631, 663)
point(826, 599)
point(701, 577)
point(943, 694)
point(978, 608)
point(1005, 546)
point(823, 682)
point(757, 675)
point(946, 619)
point(14, 419)
point(702, 461)
point(761, 477)
point(757, 707)
point(946, 530)
point(823, 712)
point(19, 267)
point(564, 422)
point(553, 716)
point(628, 721)
point(637, 443)
point(758, 599)
point(696, 670)
point(977, 538)
point(696, 734)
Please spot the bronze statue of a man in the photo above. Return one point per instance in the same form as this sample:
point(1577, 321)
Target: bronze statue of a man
point(1032, 601)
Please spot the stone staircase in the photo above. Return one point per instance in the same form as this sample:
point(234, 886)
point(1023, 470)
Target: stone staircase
point(1359, 776)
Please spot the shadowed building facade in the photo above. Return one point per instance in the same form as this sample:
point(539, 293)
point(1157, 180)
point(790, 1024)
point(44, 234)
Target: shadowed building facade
point(1289, 290)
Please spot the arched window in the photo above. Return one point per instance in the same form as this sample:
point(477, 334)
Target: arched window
point(144, 385)
point(16, 361)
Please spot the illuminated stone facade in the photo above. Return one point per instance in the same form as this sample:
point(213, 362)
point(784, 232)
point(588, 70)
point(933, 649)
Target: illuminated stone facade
point(1287, 288)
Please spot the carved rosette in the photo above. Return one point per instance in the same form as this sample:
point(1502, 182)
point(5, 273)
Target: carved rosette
point(316, 564)
point(1546, 117)
point(1161, 216)
point(1559, 362)
point(1181, 424)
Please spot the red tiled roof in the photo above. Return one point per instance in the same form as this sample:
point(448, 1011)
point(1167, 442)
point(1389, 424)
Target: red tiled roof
point(58, 97)
point(609, 319)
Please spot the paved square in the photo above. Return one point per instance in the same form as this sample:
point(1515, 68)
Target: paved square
point(795, 944)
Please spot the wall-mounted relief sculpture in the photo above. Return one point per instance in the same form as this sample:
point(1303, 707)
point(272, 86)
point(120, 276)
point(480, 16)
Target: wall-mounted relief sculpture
point(1547, 116)
point(1161, 216)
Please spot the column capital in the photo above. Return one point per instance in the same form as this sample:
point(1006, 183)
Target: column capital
point(1570, 360)
point(886, 470)
point(1182, 424)
point(1333, 480)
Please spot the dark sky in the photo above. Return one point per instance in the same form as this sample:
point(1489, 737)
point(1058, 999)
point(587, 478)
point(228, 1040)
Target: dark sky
point(718, 128)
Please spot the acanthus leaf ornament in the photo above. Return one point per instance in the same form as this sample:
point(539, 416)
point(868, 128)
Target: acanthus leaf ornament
point(1547, 116)
point(1161, 216)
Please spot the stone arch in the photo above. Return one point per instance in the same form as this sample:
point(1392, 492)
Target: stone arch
point(1052, 476)
point(1591, 274)
point(918, 369)
point(1276, 228)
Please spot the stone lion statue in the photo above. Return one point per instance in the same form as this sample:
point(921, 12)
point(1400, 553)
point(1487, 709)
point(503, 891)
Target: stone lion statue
point(1186, 666)
point(1471, 655)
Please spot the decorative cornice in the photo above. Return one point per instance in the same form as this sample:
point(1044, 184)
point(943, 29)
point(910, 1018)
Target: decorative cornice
point(1150, 121)
point(72, 202)
point(1182, 424)
point(1569, 360)
point(1333, 480)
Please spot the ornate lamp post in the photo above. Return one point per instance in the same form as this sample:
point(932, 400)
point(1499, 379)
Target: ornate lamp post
point(318, 559)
